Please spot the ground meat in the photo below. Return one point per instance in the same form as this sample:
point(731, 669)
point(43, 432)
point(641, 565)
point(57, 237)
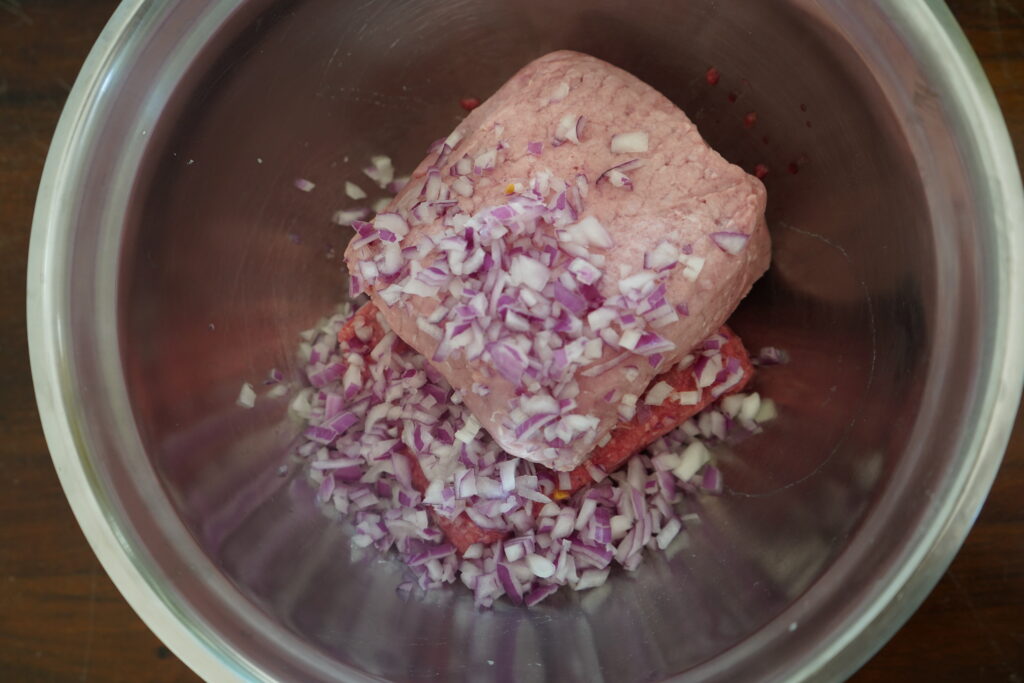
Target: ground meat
point(562, 117)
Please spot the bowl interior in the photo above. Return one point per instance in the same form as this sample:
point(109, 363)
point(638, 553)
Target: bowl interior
point(220, 262)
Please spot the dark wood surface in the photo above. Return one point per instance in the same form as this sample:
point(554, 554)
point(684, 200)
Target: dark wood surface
point(61, 619)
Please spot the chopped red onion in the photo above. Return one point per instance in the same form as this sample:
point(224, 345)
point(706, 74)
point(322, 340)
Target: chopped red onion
point(589, 231)
point(380, 170)
point(571, 300)
point(433, 188)
point(635, 142)
point(558, 93)
point(513, 284)
point(530, 272)
point(692, 459)
point(464, 166)
point(730, 242)
point(326, 489)
point(349, 216)
point(397, 185)
point(246, 396)
point(568, 129)
point(619, 179)
point(485, 161)
point(533, 424)
point(663, 257)
point(711, 480)
point(342, 422)
point(354, 191)
point(539, 593)
point(508, 360)
point(584, 271)
point(463, 186)
point(509, 583)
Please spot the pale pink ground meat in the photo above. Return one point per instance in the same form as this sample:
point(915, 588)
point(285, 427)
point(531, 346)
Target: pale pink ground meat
point(709, 212)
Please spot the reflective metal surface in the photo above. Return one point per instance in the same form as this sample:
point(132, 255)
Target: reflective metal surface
point(164, 272)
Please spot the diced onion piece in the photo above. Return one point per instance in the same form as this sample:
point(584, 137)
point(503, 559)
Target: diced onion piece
point(434, 190)
point(590, 231)
point(620, 525)
point(634, 142)
point(540, 566)
point(584, 271)
point(730, 242)
point(347, 216)
point(638, 285)
point(514, 552)
point(453, 139)
point(567, 129)
point(507, 470)
point(692, 265)
point(354, 191)
point(688, 398)
point(392, 222)
point(767, 411)
point(592, 578)
point(485, 161)
point(732, 404)
point(616, 174)
point(627, 406)
point(668, 533)
point(692, 459)
point(380, 170)
point(463, 186)
point(558, 93)
point(464, 166)
point(657, 394)
point(530, 272)
point(246, 396)
point(601, 318)
point(619, 179)
point(630, 338)
point(662, 256)
point(468, 431)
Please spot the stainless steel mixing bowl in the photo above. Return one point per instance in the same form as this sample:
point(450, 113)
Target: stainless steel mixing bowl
point(164, 272)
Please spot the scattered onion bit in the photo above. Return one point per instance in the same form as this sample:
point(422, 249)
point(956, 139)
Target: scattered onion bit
point(246, 396)
point(730, 242)
point(354, 191)
point(634, 142)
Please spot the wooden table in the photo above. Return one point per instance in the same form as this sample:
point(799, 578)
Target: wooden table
point(61, 619)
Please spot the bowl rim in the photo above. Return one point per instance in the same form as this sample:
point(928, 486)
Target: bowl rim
point(932, 26)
